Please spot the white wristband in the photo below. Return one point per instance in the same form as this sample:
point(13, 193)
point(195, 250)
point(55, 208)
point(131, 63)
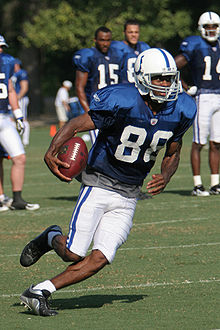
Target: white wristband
point(18, 114)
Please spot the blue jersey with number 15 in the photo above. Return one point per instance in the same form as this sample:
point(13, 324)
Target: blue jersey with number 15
point(130, 136)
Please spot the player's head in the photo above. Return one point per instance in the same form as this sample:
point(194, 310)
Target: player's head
point(131, 31)
point(156, 74)
point(209, 26)
point(67, 84)
point(2, 43)
point(103, 38)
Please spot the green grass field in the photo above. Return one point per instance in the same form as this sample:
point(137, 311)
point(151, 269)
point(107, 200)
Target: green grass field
point(166, 276)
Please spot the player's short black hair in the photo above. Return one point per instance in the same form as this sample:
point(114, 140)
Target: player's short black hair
point(130, 22)
point(102, 29)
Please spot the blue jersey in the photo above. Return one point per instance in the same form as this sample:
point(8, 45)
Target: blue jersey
point(103, 69)
point(17, 78)
point(123, 48)
point(204, 61)
point(129, 56)
point(130, 136)
point(6, 72)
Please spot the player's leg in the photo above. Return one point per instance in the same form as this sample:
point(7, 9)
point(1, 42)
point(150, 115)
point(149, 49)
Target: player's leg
point(214, 148)
point(111, 231)
point(11, 142)
point(23, 103)
point(200, 134)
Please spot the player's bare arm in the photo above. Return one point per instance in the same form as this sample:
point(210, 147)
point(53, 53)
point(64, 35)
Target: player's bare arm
point(81, 81)
point(24, 88)
point(79, 124)
point(181, 61)
point(169, 166)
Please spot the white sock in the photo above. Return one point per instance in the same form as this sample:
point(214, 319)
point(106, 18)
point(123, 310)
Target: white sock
point(46, 285)
point(214, 180)
point(2, 197)
point(197, 180)
point(51, 235)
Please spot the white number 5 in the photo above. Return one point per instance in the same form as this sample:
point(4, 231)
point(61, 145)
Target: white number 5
point(3, 88)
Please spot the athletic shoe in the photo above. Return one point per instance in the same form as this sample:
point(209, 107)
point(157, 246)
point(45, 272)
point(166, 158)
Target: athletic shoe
point(200, 191)
point(37, 301)
point(143, 196)
point(22, 205)
point(37, 247)
point(7, 201)
point(215, 190)
point(3, 207)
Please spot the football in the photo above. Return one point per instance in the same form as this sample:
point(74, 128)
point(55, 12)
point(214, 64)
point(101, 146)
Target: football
point(75, 153)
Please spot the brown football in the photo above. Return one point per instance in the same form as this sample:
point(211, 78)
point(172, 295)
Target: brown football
point(75, 153)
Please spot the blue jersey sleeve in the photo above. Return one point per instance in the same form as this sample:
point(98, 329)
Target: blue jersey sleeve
point(188, 46)
point(81, 59)
point(187, 109)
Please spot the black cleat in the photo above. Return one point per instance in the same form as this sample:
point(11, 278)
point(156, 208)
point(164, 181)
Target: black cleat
point(22, 205)
point(37, 247)
point(37, 301)
point(215, 190)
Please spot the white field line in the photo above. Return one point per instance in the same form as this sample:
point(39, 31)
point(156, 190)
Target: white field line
point(125, 287)
point(161, 222)
point(141, 248)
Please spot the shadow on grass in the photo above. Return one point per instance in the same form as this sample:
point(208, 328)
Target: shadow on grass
point(178, 192)
point(92, 301)
point(65, 198)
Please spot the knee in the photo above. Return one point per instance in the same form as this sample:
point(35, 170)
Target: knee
point(19, 160)
point(98, 259)
point(59, 245)
point(214, 146)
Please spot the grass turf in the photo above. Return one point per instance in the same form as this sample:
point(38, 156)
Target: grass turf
point(166, 276)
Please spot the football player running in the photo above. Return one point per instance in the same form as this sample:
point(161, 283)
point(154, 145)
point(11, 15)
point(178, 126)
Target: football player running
point(202, 53)
point(135, 122)
point(96, 67)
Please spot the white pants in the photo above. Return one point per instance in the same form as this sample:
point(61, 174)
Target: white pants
point(23, 103)
point(9, 137)
point(102, 216)
point(61, 113)
point(207, 120)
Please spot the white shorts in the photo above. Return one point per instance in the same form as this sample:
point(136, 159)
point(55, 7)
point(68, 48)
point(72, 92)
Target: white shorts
point(61, 114)
point(207, 120)
point(102, 216)
point(9, 137)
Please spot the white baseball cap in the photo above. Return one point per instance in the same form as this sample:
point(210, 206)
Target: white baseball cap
point(2, 41)
point(67, 83)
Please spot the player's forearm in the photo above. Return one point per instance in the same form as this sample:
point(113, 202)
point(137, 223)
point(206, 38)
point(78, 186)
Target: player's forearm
point(83, 100)
point(169, 166)
point(79, 124)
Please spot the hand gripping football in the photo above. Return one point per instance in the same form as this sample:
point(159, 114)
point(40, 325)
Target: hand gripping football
point(75, 153)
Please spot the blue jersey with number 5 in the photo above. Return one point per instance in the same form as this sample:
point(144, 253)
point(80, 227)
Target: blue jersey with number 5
point(204, 61)
point(130, 136)
point(6, 72)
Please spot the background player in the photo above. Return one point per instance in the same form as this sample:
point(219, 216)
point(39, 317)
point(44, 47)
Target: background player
point(135, 123)
point(96, 67)
point(21, 85)
point(9, 137)
point(202, 53)
point(130, 48)
point(62, 102)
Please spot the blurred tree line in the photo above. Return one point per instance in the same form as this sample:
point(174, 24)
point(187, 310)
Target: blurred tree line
point(45, 34)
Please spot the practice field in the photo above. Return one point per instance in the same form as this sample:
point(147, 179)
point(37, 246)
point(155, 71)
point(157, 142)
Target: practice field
point(166, 276)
